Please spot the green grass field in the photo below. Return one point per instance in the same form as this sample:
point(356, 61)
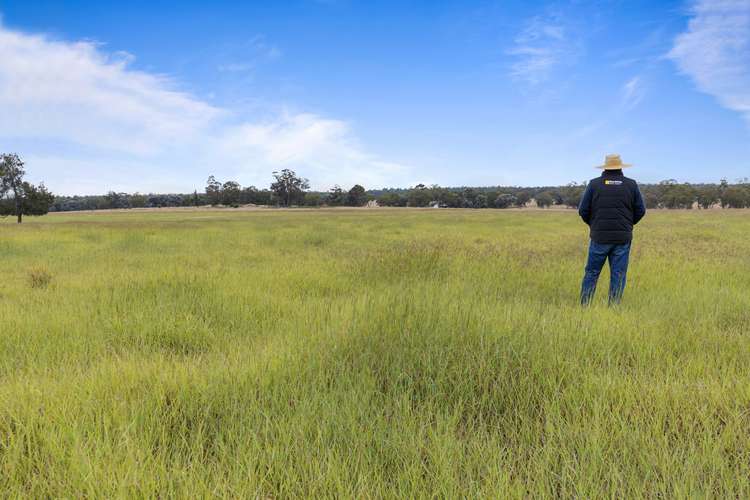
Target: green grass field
point(371, 353)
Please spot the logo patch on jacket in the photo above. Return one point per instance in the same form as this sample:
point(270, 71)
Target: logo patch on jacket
point(612, 183)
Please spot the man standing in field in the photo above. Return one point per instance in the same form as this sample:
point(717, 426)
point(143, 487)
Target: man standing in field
point(611, 206)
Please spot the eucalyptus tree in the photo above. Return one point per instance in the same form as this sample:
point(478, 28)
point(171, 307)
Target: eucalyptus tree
point(289, 188)
point(18, 197)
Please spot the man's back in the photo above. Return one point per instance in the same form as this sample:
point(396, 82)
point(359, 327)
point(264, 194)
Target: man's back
point(611, 206)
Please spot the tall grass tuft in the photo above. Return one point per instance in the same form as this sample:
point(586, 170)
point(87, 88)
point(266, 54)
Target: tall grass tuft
point(39, 277)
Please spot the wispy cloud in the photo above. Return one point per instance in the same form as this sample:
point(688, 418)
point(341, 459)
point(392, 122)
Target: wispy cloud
point(104, 113)
point(715, 51)
point(641, 48)
point(586, 130)
point(633, 92)
point(541, 45)
point(249, 55)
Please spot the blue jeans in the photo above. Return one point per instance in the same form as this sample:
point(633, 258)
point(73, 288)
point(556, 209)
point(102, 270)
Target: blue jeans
point(618, 268)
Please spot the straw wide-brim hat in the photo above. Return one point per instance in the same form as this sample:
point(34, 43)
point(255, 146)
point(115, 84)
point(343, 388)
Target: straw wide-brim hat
point(613, 162)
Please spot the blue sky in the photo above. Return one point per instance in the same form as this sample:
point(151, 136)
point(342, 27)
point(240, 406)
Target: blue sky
point(155, 96)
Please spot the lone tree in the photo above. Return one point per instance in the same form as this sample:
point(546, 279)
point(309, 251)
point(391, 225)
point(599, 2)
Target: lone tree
point(289, 188)
point(18, 197)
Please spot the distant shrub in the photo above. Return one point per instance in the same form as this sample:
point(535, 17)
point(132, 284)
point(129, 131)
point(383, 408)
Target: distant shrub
point(544, 199)
point(39, 277)
point(505, 200)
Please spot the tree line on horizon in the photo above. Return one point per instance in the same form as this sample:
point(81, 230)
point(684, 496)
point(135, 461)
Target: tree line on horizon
point(289, 190)
point(19, 197)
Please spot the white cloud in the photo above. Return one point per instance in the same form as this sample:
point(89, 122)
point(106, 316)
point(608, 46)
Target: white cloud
point(135, 130)
point(288, 140)
point(325, 146)
point(73, 91)
point(539, 48)
point(715, 51)
point(633, 92)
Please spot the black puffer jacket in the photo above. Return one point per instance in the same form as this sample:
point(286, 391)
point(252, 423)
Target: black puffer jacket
point(612, 204)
